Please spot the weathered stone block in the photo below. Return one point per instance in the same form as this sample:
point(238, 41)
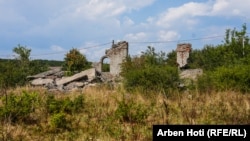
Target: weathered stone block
point(41, 82)
point(90, 74)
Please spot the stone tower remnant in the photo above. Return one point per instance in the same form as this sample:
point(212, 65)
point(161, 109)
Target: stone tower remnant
point(183, 51)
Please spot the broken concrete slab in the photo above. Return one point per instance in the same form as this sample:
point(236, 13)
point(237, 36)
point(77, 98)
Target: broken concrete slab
point(74, 85)
point(47, 73)
point(41, 82)
point(90, 74)
point(191, 73)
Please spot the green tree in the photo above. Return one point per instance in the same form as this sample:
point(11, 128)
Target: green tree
point(14, 72)
point(23, 53)
point(171, 58)
point(74, 61)
point(237, 41)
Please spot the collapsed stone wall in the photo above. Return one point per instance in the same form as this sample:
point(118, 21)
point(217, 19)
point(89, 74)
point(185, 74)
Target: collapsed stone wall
point(52, 81)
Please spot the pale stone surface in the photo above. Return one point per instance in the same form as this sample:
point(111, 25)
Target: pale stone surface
point(90, 74)
point(191, 73)
point(117, 53)
point(40, 82)
point(47, 73)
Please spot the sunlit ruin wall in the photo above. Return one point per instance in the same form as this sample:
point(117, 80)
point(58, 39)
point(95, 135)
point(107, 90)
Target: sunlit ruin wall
point(183, 51)
point(117, 53)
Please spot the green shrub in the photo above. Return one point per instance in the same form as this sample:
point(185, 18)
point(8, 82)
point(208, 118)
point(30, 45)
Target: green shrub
point(152, 78)
point(205, 83)
point(18, 107)
point(53, 105)
point(129, 111)
point(235, 78)
point(149, 72)
point(58, 121)
point(64, 105)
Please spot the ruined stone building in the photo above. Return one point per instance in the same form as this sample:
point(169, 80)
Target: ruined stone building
point(54, 78)
point(117, 53)
point(183, 51)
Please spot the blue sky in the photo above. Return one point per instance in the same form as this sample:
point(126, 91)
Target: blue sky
point(50, 28)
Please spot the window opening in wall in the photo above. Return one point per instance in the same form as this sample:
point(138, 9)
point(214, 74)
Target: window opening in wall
point(106, 65)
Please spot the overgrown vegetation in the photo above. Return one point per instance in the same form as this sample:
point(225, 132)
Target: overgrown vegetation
point(149, 72)
point(225, 66)
point(14, 72)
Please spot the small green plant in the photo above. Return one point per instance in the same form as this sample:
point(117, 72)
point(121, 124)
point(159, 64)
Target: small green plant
point(53, 105)
point(129, 111)
point(64, 105)
point(58, 121)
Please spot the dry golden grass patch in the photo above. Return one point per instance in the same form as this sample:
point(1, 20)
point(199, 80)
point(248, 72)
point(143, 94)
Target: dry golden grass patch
point(104, 118)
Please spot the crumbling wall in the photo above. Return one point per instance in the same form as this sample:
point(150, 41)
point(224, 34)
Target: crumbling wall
point(117, 53)
point(183, 51)
point(188, 75)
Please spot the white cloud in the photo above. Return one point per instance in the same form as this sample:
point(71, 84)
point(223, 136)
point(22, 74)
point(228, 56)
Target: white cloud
point(150, 19)
point(99, 9)
point(141, 36)
point(168, 35)
point(57, 48)
point(182, 13)
point(97, 15)
point(230, 8)
point(95, 9)
point(127, 21)
point(188, 13)
point(220, 5)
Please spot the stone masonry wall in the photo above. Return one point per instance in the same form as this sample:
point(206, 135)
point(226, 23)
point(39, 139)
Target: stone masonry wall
point(183, 51)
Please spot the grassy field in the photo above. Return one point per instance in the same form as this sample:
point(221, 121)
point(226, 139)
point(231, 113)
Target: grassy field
point(111, 114)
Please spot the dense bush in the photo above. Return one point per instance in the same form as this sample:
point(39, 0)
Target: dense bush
point(18, 107)
point(149, 72)
point(152, 78)
point(235, 78)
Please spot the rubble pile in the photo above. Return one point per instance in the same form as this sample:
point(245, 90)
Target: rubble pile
point(54, 79)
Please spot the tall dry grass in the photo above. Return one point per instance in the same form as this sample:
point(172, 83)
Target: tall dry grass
point(100, 120)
